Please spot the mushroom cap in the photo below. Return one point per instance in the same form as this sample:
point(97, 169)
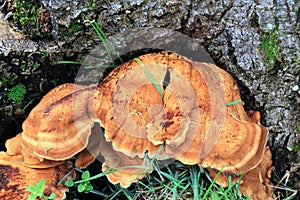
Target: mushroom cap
point(256, 183)
point(60, 125)
point(13, 145)
point(131, 109)
point(14, 148)
point(242, 142)
point(236, 142)
point(114, 131)
point(15, 177)
point(191, 119)
point(90, 153)
point(121, 168)
point(125, 173)
point(237, 153)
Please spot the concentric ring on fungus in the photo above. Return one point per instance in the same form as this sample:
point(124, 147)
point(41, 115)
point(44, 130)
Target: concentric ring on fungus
point(60, 125)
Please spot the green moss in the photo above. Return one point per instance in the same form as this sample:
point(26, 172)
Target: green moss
point(17, 93)
point(23, 66)
point(8, 77)
point(91, 4)
point(74, 27)
point(27, 17)
point(295, 148)
point(270, 47)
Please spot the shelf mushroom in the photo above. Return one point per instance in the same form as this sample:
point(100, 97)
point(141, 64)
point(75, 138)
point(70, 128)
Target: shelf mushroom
point(60, 125)
point(56, 129)
point(255, 183)
point(19, 170)
point(188, 107)
point(14, 148)
point(92, 150)
point(121, 168)
point(15, 177)
point(183, 108)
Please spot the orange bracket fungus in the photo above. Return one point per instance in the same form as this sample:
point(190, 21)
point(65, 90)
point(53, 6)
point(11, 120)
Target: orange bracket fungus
point(15, 178)
point(59, 126)
point(160, 105)
point(121, 168)
point(191, 119)
point(255, 183)
point(14, 148)
point(18, 170)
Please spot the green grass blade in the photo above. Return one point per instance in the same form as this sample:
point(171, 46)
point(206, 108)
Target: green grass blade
point(99, 193)
point(69, 62)
point(210, 186)
point(233, 103)
point(151, 78)
point(228, 189)
point(109, 48)
point(108, 42)
point(80, 63)
point(195, 182)
point(114, 195)
point(64, 177)
point(102, 38)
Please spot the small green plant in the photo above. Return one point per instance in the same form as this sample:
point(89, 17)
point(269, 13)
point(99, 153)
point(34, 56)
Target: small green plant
point(28, 16)
point(295, 148)
point(84, 185)
point(17, 93)
point(109, 48)
point(91, 4)
point(8, 77)
point(270, 47)
point(23, 66)
point(298, 129)
point(181, 182)
point(74, 28)
point(37, 191)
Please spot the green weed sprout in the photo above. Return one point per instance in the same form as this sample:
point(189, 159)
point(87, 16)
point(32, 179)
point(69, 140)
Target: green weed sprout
point(84, 185)
point(17, 93)
point(37, 190)
point(109, 48)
